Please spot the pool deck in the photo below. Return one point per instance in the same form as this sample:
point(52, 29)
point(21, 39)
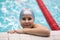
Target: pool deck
point(54, 35)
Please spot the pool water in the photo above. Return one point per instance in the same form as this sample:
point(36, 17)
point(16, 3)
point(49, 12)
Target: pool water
point(10, 10)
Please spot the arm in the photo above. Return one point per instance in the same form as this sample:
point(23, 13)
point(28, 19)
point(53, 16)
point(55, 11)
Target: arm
point(38, 30)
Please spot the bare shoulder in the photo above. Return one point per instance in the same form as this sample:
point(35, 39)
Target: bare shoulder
point(39, 26)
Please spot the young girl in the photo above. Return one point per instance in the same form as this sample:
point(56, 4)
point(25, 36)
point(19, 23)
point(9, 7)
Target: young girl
point(27, 22)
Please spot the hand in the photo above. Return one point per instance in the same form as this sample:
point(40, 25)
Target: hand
point(20, 31)
point(11, 31)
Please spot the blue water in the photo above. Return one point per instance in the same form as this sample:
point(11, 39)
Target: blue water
point(10, 10)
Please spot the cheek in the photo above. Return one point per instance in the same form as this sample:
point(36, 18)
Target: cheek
point(31, 21)
point(22, 22)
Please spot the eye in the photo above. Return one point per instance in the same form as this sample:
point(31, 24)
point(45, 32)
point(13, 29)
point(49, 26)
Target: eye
point(29, 18)
point(23, 18)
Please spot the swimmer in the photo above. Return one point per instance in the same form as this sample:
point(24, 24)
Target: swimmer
point(29, 27)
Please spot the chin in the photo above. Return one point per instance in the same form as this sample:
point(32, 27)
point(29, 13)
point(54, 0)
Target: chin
point(27, 27)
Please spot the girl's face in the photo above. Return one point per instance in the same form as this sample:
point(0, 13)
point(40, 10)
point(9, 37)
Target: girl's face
point(27, 21)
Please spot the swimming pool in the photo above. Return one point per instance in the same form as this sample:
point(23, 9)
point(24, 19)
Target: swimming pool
point(10, 10)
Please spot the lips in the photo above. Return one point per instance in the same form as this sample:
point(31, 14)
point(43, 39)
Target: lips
point(26, 25)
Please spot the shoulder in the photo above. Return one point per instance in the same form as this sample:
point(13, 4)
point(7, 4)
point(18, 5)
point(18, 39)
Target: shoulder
point(39, 26)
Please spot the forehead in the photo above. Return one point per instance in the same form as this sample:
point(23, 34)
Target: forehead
point(27, 15)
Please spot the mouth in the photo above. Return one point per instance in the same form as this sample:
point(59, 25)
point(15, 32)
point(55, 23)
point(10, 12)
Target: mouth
point(27, 25)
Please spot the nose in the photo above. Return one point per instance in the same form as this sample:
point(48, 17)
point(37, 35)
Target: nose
point(27, 21)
